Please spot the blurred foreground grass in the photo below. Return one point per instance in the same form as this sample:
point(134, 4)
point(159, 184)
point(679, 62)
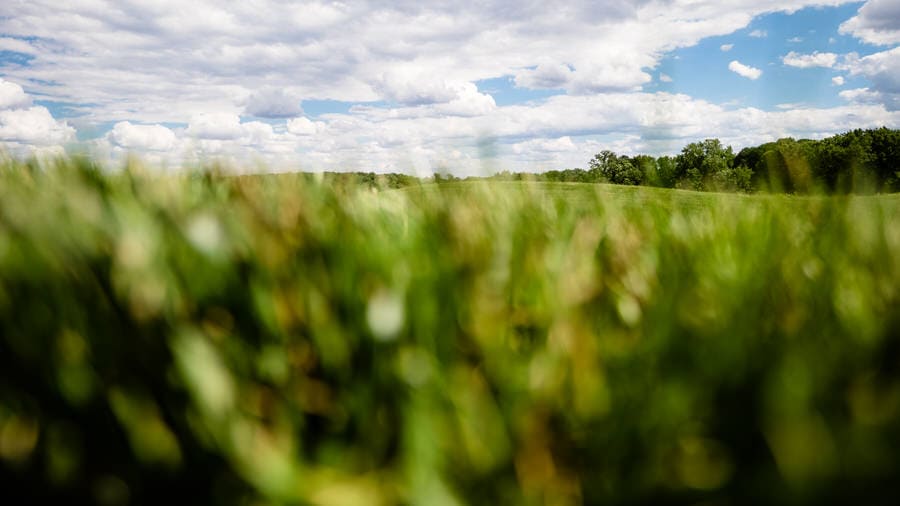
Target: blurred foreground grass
point(202, 339)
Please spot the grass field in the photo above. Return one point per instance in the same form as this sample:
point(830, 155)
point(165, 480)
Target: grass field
point(286, 340)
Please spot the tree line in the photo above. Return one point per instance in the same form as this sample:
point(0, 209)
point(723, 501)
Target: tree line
point(858, 161)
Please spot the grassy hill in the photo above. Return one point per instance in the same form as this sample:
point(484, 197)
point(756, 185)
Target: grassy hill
point(284, 340)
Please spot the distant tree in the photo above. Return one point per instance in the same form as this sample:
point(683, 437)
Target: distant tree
point(857, 161)
point(566, 176)
point(646, 165)
point(366, 179)
point(600, 165)
point(665, 171)
point(787, 165)
point(882, 160)
point(752, 157)
point(395, 180)
point(609, 167)
point(699, 162)
point(838, 160)
point(736, 179)
point(444, 177)
point(576, 176)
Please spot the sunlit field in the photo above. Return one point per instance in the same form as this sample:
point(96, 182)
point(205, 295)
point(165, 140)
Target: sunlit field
point(292, 339)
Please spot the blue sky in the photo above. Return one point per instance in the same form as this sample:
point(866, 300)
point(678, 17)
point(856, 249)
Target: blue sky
point(419, 86)
point(702, 70)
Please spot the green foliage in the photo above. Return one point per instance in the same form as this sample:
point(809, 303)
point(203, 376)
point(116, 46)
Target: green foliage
point(307, 339)
point(608, 167)
point(705, 165)
point(667, 171)
point(859, 161)
point(737, 179)
point(565, 176)
point(649, 170)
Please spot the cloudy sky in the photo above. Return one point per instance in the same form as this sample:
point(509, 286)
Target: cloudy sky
point(419, 86)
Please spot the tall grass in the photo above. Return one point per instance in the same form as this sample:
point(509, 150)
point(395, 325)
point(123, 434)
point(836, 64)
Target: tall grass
point(286, 339)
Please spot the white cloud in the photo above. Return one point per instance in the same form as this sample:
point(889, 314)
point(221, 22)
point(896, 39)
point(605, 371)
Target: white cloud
point(876, 22)
point(803, 61)
point(545, 76)
point(759, 34)
point(542, 146)
point(726, 47)
point(795, 40)
point(469, 102)
point(26, 128)
point(34, 125)
point(744, 70)
point(882, 70)
point(257, 133)
point(303, 126)
point(413, 88)
point(153, 62)
point(142, 137)
point(12, 96)
point(613, 74)
point(837, 80)
point(666, 78)
point(205, 64)
point(562, 131)
point(862, 96)
point(628, 122)
point(215, 126)
point(16, 46)
point(273, 103)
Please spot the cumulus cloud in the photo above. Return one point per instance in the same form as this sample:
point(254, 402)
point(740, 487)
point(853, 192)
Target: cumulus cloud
point(759, 34)
point(726, 47)
point(537, 146)
point(215, 126)
point(837, 80)
point(16, 46)
point(615, 74)
point(418, 94)
point(12, 96)
point(35, 126)
point(142, 137)
point(411, 87)
point(562, 131)
point(882, 70)
point(744, 70)
point(861, 96)
point(468, 102)
point(545, 76)
point(303, 126)
point(666, 78)
point(273, 103)
point(872, 97)
point(206, 64)
point(803, 61)
point(257, 133)
point(26, 128)
point(161, 62)
point(876, 22)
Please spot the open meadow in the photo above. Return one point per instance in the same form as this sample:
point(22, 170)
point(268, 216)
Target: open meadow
point(290, 339)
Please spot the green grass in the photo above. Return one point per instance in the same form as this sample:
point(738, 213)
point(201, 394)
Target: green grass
point(284, 340)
